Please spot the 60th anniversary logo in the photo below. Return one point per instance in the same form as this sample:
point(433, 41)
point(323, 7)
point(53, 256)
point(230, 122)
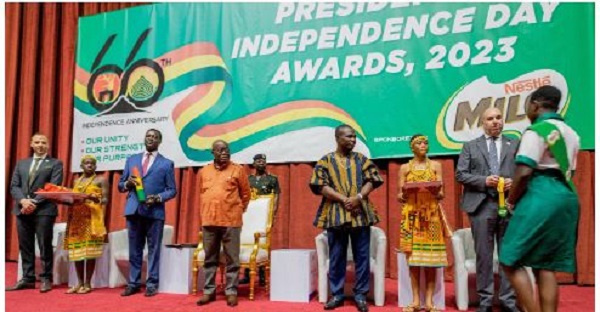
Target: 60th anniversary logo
point(112, 89)
point(198, 72)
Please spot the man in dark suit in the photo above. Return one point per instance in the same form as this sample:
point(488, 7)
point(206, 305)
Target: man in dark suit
point(146, 220)
point(481, 164)
point(35, 215)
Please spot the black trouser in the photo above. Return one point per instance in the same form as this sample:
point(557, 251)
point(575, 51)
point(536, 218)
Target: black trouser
point(337, 239)
point(261, 274)
point(28, 227)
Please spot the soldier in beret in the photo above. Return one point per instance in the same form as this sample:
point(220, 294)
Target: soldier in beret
point(262, 183)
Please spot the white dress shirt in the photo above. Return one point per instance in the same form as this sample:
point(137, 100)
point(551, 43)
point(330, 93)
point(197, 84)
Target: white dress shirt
point(154, 155)
point(498, 142)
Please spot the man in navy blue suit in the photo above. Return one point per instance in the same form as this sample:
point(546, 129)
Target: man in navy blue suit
point(145, 220)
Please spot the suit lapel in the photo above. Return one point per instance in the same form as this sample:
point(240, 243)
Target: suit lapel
point(154, 164)
point(481, 142)
point(27, 164)
point(505, 147)
point(139, 162)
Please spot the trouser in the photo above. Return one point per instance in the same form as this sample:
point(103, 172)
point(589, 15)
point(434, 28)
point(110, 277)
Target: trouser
point(487, 227)
point(337, 238)
point(141, 229)
point(28, 227)
point(261, 274)
point(213, 237)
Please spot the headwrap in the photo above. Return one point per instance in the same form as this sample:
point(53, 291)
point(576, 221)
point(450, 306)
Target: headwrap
point(418, 138)
point(86, 157)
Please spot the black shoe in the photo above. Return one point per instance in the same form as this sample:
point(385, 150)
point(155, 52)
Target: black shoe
point(129, 291)
point(20, 285)
point(333, 303)
point(484, 309)
point(46, 286)
point(361, 305)
point(151, 292)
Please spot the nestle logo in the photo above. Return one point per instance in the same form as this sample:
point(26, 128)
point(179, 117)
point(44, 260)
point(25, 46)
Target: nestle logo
point(526, 85)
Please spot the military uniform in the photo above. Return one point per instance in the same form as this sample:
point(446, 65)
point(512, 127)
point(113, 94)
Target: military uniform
point(265, 184)
point(261, 185)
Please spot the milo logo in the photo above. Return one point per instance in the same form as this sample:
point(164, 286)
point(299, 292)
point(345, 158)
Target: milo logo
point(460, 119)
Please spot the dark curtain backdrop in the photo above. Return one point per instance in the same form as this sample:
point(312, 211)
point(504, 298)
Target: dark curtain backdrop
point(40, 59)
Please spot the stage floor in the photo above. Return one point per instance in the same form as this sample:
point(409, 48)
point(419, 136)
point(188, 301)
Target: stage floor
point(572, 299)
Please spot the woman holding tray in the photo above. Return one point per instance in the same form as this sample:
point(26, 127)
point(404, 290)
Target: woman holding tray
point(421, 228)
point(85, 232)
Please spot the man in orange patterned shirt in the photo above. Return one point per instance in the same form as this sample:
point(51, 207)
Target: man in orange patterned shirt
point(225, 194)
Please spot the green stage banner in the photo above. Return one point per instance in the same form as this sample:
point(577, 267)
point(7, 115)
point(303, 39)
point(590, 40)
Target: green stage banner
point(277, 78)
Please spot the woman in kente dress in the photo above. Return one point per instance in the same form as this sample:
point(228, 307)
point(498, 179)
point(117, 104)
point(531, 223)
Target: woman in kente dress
point(421, 228)
point(85, 232)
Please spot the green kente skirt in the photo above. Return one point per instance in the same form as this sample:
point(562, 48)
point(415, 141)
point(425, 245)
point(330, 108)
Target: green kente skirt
point(542, 233)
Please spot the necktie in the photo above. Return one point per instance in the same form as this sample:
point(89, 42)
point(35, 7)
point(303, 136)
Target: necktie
point(493, 151)
point(145, 164)
point(33, 170)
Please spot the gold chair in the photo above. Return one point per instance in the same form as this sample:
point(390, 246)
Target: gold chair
point(255, 242)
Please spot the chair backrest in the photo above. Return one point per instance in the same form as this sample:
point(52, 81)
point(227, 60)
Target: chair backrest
point(257, 218)
point(167, 234)
point(56, 230)
point(467, 239)
point(469, 244)
point(375, 234)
